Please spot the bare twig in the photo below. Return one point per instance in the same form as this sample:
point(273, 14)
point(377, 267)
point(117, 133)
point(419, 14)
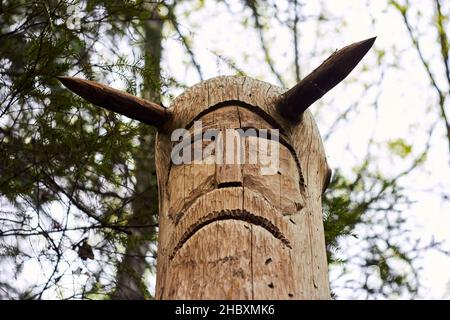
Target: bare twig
point(252, 5)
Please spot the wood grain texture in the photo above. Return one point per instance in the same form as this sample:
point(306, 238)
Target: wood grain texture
point(118, 101)
point(333, 70)
point(225, 230)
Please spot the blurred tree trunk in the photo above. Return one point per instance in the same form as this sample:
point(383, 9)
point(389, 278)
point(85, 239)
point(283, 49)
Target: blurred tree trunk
point(131, 270)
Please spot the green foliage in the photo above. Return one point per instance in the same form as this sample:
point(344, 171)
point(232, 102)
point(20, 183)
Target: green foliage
point(371, 222)
point(399, 7)
point(400, 148)
point(57, 150)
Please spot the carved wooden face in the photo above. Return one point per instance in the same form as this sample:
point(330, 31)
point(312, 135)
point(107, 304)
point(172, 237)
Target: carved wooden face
point(221, 213)
point(233, 230)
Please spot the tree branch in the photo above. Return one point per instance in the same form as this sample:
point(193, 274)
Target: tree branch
point(442, 97)
point(252, 5)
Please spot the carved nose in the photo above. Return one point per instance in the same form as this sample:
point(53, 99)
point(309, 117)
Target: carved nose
point(228, 175)
point(229, 169)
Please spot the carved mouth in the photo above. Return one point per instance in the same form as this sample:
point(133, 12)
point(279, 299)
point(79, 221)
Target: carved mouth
point(249, 208)
point(242, 215)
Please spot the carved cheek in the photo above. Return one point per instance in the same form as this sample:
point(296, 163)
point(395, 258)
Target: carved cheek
point(282, 188)
point(187, 182)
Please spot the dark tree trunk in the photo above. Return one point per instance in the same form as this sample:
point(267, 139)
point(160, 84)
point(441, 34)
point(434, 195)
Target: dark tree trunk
point(132, 268)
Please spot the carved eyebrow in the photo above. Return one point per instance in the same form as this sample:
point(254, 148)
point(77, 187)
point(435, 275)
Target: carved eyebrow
point(241, 104)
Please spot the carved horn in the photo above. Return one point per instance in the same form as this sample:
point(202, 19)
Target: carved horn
point(118, 101)
point(333, 70)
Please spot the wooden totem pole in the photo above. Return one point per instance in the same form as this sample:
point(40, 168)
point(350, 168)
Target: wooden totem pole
point(230, 229)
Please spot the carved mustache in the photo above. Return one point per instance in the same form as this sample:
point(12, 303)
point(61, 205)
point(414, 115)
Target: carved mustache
point(249, 206)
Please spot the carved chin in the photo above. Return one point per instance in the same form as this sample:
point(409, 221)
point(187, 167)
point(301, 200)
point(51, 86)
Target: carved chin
point(232, 203)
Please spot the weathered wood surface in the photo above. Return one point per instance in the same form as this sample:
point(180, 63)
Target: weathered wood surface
point(117, 101)
point(225, 230)
point(332, 71)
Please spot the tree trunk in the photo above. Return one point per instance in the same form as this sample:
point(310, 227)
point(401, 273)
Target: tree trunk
point(129, 283)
